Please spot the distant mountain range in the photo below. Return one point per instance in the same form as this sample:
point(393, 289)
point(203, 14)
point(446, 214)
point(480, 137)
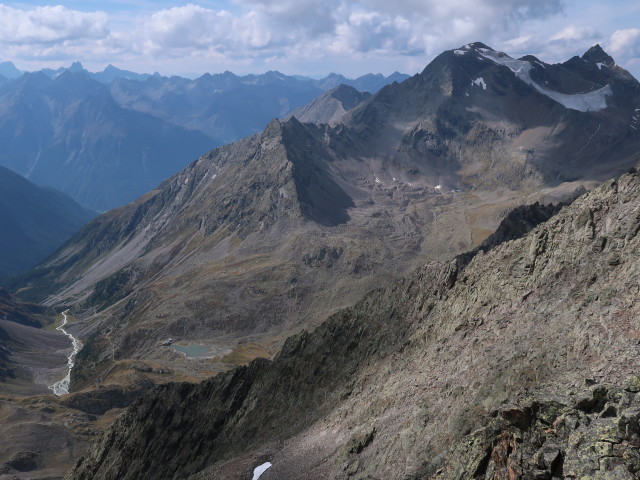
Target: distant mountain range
point(279, 230)
point(369, 82)
point(489, 364)
point(35, 222)
point(106, 138)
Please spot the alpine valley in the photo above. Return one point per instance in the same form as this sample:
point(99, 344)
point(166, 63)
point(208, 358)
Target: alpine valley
point(418, 309)
point(106, 138)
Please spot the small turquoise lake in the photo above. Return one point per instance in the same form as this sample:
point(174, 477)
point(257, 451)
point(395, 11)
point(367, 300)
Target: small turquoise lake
point(194, 350)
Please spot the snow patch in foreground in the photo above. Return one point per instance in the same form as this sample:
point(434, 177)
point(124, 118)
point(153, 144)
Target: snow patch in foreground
point(259, 470)
point(583, 102)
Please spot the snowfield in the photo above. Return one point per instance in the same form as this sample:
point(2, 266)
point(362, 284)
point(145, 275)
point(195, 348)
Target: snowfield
point(583, 102)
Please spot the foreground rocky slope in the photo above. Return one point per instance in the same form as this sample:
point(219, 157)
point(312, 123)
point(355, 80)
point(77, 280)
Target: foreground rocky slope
point(520, 365)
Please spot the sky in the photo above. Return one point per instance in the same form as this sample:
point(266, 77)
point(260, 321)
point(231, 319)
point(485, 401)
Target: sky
point(306, 37)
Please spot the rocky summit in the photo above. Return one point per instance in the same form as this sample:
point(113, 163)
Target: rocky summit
point(522, 364)
point(330, 107)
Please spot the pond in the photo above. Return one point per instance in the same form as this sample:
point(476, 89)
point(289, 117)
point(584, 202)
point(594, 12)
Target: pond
point(194, 350)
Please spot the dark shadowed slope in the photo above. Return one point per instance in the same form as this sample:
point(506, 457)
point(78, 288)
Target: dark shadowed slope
point(35, 222)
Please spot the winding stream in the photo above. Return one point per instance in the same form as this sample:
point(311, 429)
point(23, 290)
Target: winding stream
point(61, 387)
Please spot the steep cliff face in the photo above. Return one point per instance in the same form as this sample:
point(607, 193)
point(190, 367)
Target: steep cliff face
point(520, 365)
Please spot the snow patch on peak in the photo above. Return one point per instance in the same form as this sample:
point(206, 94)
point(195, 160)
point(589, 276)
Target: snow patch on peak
point(479, 82)
point(583, 102)
point(459, 52)
point(600, 65)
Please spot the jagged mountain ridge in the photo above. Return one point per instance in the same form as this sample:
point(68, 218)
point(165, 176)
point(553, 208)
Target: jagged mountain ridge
point(366, 83)
point(106, 138)
point(330, 107)
point(35, 222)
point(69, 134)
point(226, 106)
point(448, 373)
point(287, 226)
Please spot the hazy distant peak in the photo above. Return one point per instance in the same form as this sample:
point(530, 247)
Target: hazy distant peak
point(76, 67)
point(9, 70)
point(331, 106)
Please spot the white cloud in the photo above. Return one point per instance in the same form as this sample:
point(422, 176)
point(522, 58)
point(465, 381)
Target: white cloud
point(568, 41)
point(295, 16)
point(308, 36)
point(625, 42)
point(283, 29)
point(573, 32)
point(370, 31)
point(50, 25)
point(190, 26)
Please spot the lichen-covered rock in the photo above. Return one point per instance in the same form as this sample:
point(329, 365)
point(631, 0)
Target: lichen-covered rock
point(576, 445)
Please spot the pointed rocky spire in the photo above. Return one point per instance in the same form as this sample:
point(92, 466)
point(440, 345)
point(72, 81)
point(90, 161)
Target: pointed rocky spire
point(597, 55)
point(76, 67)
